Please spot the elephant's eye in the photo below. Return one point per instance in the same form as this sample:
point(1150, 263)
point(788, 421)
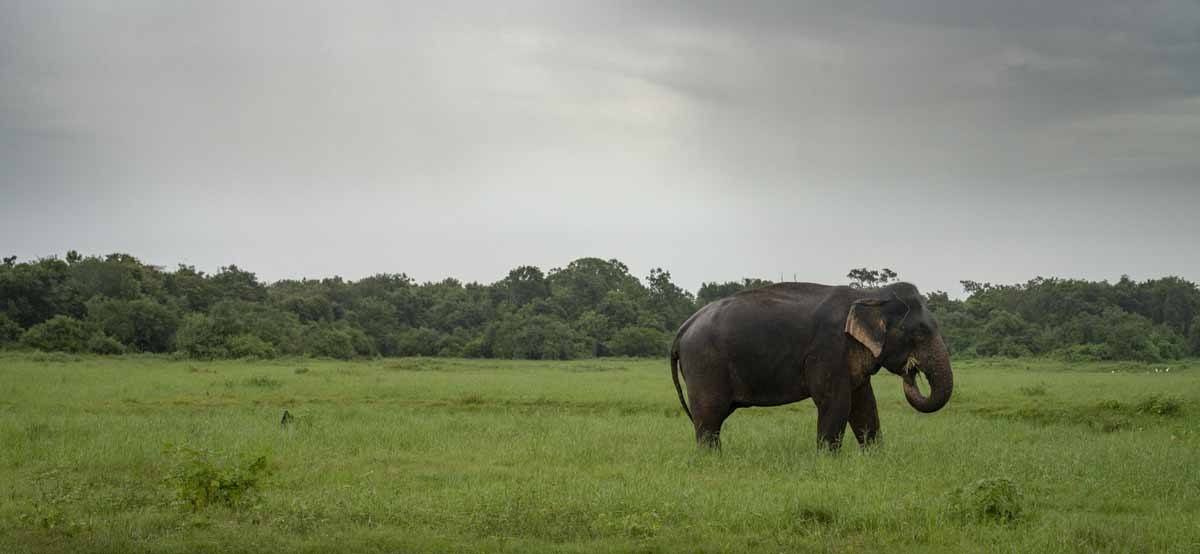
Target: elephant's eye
point(921, 331)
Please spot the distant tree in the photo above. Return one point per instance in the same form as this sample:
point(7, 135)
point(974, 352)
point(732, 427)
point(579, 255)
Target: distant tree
point(639, 341)
point(141, 324)
point(9, 330)
point(523, 285)
point(1194, 337)
point(233, 283)
point(672, 304)
point(378, 319)
point(189, 289)
point(867, 278)
point(33, 292)
point(972, 287)
point(597, 330)
point(586, 282)
point(58, 334)
point(100, 343)
point(592, 307)
point(336, 340)
point(716, 291)
point(119, 276)
point(420, 341)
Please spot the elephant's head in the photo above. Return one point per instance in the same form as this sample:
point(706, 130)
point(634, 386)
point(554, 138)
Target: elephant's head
point(896, 326)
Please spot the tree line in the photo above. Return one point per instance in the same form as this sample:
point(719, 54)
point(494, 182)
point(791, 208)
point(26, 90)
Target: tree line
point(592, 307)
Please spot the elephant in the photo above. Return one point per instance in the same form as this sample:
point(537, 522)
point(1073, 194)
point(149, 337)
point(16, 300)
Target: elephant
point(786, 342)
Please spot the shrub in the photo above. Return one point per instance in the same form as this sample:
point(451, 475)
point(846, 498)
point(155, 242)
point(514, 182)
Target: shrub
point(142, 324)
point(419, 341)
point(994, 499)
point(1194, 337)
point(99, 343)
point(537, 337)
point(10, 331)
point(337, 341)
point(1160, 405)
point(277, 327)
point(58, 334)
point(1006, 334)
point(639, 341)
point(246, 345)
point(1085, 353)
point(199, 481)
point(477, 347)
point(198, 337)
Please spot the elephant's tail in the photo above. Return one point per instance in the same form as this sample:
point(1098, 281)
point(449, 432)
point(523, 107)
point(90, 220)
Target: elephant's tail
point(675, 377)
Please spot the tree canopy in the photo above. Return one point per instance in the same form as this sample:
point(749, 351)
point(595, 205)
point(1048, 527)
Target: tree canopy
point(591, 307)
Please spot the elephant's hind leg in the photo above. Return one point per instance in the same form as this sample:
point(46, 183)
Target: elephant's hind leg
point(864, 417)
point(708, 418)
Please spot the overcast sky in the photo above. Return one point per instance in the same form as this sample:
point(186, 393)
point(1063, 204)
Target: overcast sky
point(948, 140)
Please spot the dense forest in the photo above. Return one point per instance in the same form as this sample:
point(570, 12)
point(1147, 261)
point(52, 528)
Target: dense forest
point(592, 307)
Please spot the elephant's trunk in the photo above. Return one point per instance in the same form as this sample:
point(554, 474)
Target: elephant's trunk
point(934, 362)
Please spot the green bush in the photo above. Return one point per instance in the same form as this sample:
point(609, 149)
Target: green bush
point(58, 334)
point(200, 481)
point(198, 337)
point(995, 499)
point(241, 329)
point(639, 341)
point(1160, 405)
point(282, 329)
point(246, 345)
point(1194, 337)
point(537, 337)
point(329, 341)
point(99, 343)
point(419, 341)
point(1085, 353)
point(10, 331)
point(142, 324)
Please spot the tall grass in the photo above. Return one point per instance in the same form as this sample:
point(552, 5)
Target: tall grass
point(593, 455)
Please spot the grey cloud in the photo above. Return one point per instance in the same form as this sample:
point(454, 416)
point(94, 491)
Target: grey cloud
point(716, 139)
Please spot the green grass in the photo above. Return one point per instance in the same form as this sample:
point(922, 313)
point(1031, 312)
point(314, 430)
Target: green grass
point(428, 455)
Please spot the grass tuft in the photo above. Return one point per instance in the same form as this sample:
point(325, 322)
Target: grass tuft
point(992, 499)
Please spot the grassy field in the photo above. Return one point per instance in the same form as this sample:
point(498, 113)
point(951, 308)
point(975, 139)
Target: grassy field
point(149, 454)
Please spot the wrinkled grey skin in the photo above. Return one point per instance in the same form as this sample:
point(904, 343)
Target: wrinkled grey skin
point(791, 341)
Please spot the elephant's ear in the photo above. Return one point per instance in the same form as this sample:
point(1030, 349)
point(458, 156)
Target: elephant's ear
point(865, 324)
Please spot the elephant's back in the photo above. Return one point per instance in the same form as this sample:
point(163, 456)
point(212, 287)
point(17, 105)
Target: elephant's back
point(754, 322)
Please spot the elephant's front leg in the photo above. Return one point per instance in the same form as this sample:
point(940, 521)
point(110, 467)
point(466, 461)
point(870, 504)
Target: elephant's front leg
point(864, 417)
point(832, 415)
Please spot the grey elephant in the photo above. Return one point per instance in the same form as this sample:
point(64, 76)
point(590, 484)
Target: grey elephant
point(790, 341)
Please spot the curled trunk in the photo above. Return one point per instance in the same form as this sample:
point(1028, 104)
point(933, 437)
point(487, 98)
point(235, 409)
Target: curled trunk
point(934, 362)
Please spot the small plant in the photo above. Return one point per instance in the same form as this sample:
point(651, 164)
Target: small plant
point(1159, 405)
point(996, 499)
point(199, 481)
point(1034, 390)
point(300, 370)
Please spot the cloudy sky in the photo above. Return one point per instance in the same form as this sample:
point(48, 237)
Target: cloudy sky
point(948, 140)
